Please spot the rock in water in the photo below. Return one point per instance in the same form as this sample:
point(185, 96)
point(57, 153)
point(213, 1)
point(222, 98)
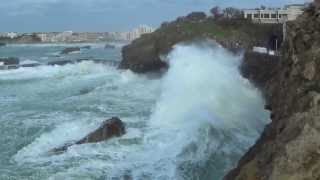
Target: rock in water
point(10, 61)
point(70, 50)
point(60, 63)
point(110, 128)
point(2, 44)
point(86, 47)
point(113, 127)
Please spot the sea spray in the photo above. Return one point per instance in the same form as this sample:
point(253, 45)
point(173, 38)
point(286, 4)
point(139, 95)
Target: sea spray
point(204, 116)
point(203, 95)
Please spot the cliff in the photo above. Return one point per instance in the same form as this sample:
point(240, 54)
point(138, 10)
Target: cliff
point(289, 148)
point(143, 54)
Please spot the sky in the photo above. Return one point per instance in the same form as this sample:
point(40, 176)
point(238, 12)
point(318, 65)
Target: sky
point(106, 15)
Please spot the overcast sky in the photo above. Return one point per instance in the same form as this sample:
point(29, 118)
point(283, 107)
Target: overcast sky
point(106, 15)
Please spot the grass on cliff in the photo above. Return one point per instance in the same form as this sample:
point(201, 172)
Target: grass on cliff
point(228, 30)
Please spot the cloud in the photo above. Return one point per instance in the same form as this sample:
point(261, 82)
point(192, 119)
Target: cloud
point(105, 15)
point(22, 7)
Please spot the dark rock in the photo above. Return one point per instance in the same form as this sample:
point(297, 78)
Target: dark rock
point(86, 47)
point(10, 61)
point(110, 128)
point(30, 65)
point(70, 50)
point(113, 127)
point(258, 67)
point(60, 63)
point(109, 46)
point(2, 44)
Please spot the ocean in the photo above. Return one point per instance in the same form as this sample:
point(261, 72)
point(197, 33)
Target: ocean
point(192, 123)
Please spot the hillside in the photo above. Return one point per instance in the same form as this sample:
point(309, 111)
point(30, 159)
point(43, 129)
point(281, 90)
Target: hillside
point(143, 54)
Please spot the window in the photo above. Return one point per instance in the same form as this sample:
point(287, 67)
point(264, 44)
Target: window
point(249, 16)
point(256, 15)
point(273, 16)
point(266, 15)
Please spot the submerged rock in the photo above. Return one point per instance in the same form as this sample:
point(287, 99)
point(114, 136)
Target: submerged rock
point(110, 128)
point(2, 44)
point(60, 63)
point(70, 50)
point(109, 46)
point(86, 47)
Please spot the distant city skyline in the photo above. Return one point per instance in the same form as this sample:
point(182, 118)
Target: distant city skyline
point(106, 15)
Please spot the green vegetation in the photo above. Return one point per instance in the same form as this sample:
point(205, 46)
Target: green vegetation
point(233, 33)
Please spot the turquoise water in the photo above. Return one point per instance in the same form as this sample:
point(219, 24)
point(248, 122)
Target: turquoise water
point(51, 52)
point(193, 123)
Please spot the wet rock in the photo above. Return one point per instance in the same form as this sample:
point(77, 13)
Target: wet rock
point(110, 128)
point(86, 47)
point(258, 67)
point(9, 61)
point(113, 127)
point(70, 50)
point(289, 148)
point(60, 63)
point(2, 44)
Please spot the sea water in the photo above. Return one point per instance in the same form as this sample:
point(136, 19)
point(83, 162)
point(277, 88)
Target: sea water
point(192, 123)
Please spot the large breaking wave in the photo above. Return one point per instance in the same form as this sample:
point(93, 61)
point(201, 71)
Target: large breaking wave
point(205, 117)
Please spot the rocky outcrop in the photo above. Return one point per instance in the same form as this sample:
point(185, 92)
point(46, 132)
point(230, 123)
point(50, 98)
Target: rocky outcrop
point(110, 128)
point(70, 50)
point(86, 47)
point(9, 61)
point(289, 148)
point(60, 63)
point(143, 55)
point(258, 67)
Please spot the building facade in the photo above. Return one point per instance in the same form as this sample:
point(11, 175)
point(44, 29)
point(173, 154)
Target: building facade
point(288, 13)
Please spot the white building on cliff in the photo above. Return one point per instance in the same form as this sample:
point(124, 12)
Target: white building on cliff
point(288, 13)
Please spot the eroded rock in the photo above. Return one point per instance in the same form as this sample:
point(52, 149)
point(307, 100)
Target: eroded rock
point(110, 128)
point(289, 148)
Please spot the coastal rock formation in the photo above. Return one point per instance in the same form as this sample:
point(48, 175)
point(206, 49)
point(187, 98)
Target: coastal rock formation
point(143, 55)
point(110, 128)
point(86, 47)
point(70, 50)
point(60, 63)
point(10, 61)
point(258, 67)
point(289, 148)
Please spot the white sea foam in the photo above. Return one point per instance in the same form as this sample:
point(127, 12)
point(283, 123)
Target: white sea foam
point(205, 107)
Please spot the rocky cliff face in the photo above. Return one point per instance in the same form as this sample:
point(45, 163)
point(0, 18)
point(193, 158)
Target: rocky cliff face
point(289, 148)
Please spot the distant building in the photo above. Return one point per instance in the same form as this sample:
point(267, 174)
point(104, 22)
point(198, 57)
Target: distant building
point(9, 35)
point(138, 32)
point(288, 13)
